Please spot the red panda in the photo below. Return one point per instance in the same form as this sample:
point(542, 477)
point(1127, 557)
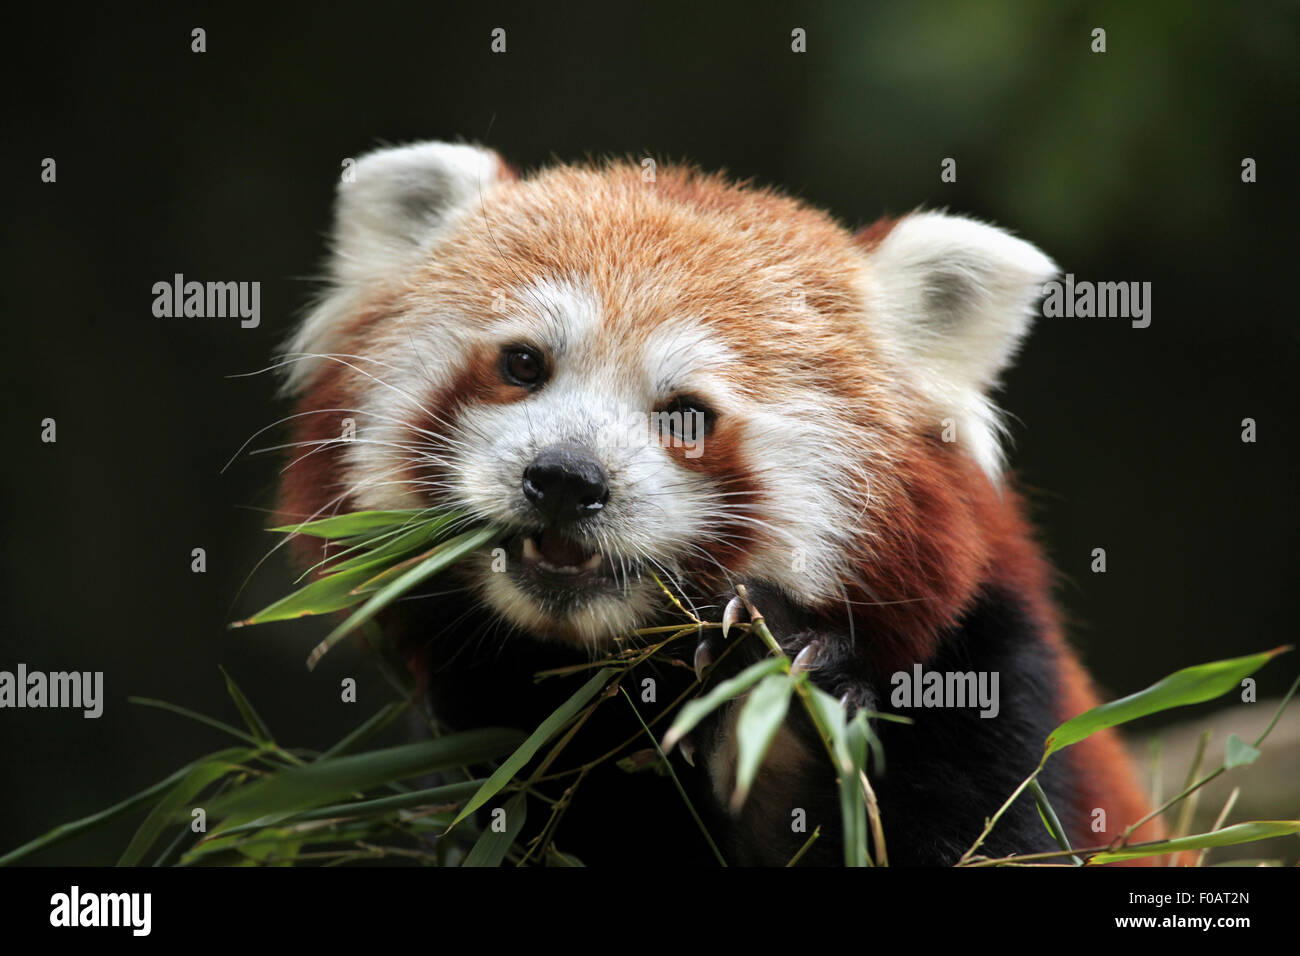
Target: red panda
point(487, 333)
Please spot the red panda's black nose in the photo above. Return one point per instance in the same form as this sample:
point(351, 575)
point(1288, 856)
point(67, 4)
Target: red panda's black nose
point(565, 483)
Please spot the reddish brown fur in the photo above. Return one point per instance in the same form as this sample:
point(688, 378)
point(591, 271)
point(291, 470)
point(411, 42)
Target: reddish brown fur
point(731, 539)
point(311, 483)
point(950, 533)
point(868, 237)
point(692, 244)
point(479, 380)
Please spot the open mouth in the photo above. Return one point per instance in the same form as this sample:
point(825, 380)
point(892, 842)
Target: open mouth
point(559, 584)
point(549, 552)
point(553, 566)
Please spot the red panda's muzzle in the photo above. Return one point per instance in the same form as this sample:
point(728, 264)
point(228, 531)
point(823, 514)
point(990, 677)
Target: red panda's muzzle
point(564, 486)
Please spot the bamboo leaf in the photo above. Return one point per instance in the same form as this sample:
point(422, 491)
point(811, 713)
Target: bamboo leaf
point(199, 777)
point(357, 523)
point(380, 578)
point(441, 557)
point(1050, 820)
point(280, 851)
point(1191, 685)
point(67, 830)
point(273, 845)
point(1239, 753)
point(1228, 836)
point(317, 784)
point(193, 715)
point(760, 718)
point(448, 794)
point(696, 710)
point(853, 804)
point(642, 760)
point(397, 545)
point(492, 846)
point(831, 715)
point(548, 729)
point(849, 741)
point(334, 592)
point(255, 723)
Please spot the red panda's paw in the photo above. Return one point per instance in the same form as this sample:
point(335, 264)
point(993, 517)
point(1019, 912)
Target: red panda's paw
point(793, 775)
point(725, 652)
point(826, 656)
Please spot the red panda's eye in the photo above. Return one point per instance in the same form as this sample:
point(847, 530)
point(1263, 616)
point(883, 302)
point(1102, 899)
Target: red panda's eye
point(522, 366)
point(686, 416)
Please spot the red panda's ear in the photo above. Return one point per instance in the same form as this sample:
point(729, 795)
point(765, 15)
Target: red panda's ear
point(955, 298)
point(392, 206)
point(397, 200)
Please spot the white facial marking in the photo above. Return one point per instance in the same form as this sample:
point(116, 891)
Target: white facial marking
point(601, 395)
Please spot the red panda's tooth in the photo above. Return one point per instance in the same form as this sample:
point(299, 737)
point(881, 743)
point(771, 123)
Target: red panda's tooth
point(531, 554)
point(592, 563)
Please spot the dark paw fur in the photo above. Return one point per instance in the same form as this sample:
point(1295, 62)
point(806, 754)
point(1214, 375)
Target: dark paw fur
point(826, 656)
point(724, 652)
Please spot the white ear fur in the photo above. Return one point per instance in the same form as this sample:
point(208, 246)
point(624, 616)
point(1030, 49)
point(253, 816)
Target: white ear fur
point(955, 298)
point(388, 214)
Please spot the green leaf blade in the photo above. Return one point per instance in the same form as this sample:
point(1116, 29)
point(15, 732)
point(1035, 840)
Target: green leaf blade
point(317, 784)
point(492, 846)
point(397, 545)
point(760, 719)
point(1051, 821)
point(1191, 685)
point(696, 710)
point(1228, 836)
point(256, 726)
point(438, 559)
point(164, 814)
point(350, 525)
point(526, 751)
point(1239, 753)
point(334, 592)
point(852, 747)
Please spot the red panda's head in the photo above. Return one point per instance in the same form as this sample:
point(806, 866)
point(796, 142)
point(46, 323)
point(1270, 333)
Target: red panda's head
point(640, 370)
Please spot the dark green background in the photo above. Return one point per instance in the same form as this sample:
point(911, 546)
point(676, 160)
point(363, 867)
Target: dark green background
point(1122, 166)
